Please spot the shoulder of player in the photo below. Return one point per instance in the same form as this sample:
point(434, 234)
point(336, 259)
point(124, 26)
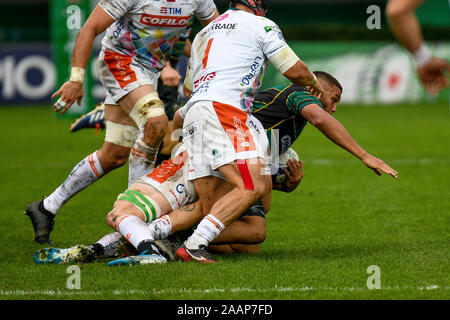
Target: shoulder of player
point(299, 96)
point(266, 24)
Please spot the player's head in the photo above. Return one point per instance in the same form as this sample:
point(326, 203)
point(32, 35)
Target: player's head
point(332, 91)
point(259, 7)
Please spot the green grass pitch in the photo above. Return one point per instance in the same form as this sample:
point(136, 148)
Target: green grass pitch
point(321, 239)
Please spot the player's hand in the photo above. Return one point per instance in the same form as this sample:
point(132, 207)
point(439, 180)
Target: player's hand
point(317, 89)
point(432, 75)
point(294, 174)
point(378, 166)
point(70, 92)
point(170, 77)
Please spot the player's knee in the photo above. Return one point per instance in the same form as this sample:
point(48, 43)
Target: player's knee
point(256, 229)
point(149, 115)
point(395, 9)
point(156, 127)
point(111, 218)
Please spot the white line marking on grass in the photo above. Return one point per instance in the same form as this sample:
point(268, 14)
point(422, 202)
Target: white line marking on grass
point(52, 293)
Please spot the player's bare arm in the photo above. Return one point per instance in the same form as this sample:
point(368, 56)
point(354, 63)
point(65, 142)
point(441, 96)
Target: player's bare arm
point(72, 90)
point(336, 132)
point(212, 18)
point(300, 75)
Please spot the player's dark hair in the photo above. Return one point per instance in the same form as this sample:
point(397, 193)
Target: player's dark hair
point(328, 78)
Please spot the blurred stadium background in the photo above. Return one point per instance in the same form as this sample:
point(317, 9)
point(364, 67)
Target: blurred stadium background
point(327, 34)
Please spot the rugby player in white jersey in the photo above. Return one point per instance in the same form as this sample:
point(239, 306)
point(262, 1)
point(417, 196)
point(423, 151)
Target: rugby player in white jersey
point(139, 38)
point(228, 59)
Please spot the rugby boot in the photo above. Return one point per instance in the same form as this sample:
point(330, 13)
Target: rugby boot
point(42, 221)
point(152, 255)
point(200, 255)
point(78, 253)
point(93, 119)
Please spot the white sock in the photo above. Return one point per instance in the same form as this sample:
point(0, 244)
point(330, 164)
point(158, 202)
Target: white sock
point(109, 239)
point(133, 229)
point(86, 172)
point(141, 162)
point(207, 230)
point(110, 244)
point(161, 228)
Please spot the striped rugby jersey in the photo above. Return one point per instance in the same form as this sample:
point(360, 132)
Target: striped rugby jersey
point(147, 30)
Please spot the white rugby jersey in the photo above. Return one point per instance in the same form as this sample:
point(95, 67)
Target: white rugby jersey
point(147, 30)
point(230, 56)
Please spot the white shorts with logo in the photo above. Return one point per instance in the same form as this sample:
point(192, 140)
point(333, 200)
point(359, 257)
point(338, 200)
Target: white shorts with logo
point(120, 74)
point(170, 179)
point(216, 134)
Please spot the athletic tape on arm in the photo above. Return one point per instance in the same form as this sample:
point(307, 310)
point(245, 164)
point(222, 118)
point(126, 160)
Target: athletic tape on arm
point(284, 60)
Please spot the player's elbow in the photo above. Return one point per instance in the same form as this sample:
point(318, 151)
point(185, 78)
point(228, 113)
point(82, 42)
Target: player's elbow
point(187, 92)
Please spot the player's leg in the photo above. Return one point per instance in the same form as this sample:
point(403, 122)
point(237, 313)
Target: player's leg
point(189, 215)
point(119, 138)
point(245, 234)
point(151, 197)
point(133, 209)
point(234, 248)
point(246, 191)
point(132, 86)
point(147, 110)
point(222, 137)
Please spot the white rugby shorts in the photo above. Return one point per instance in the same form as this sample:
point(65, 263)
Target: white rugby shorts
point(170, 179)
point(120, 74)
point(216, 134)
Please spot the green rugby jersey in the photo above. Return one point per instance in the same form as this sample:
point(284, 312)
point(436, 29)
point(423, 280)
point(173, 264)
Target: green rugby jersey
point(280, 108)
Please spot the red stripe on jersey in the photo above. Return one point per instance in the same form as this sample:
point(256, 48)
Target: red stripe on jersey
point(245, 173)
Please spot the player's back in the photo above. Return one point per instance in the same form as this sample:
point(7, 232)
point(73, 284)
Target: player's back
point(279, 111)
point(229, 58)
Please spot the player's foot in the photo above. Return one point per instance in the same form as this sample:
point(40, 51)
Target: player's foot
point(42, 221)
point(152, 255)
point(92, 119)
point(141, 259)
point(200, 255)
point(79, 253)
point(168, 248)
